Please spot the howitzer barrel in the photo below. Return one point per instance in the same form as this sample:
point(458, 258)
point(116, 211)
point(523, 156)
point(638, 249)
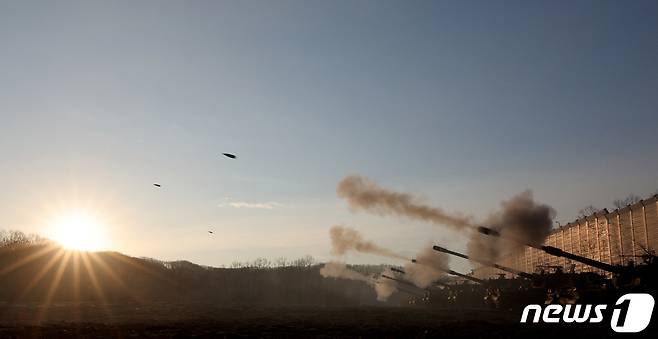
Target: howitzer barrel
point(484, 262)
point(488, 231)
point(557, 252)
point(468, 277)
point(451, 272)
point(394, 269)
point(587, 261)
point(403, 285)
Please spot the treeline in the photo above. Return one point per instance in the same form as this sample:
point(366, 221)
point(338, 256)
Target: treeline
point(630, 199)
point(33, 269)
point(264, 263)
point(13, 239)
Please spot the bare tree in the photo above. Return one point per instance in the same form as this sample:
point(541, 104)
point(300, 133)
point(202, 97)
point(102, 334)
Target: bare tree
point(13, 239)
point(629, 200)
point(587, 211)
point(281, 262)
point(305, 261)
point(261, 263)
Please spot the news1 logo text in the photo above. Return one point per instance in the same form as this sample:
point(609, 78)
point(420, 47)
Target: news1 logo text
point(630, 314)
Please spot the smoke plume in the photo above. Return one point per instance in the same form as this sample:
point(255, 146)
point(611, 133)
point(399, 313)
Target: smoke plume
point(384, 289)
point(364, 194)
point(344, 239)
point(339, 270)
point(424, 272)
point(520, 221)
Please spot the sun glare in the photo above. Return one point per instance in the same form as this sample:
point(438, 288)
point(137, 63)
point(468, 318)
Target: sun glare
point(78, 231)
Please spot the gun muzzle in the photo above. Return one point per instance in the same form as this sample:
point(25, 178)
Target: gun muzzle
point(488, 231)
point(395, 269)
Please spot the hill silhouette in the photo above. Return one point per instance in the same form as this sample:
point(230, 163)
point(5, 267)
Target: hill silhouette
point(35, 270)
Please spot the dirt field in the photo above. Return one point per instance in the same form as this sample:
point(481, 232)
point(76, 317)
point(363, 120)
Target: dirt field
point(171, 321)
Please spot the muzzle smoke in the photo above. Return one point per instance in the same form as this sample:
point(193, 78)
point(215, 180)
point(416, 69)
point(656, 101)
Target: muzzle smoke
point(364, 194)
point(384, 289)
point(344, 239)
point(520, 221)
point(424, 272)
point(339, 270)
point(521, 218)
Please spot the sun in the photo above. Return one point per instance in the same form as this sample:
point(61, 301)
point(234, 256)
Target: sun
point(78, 230)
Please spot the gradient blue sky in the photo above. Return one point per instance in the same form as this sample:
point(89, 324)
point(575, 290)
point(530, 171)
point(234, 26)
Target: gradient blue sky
point(465, 103)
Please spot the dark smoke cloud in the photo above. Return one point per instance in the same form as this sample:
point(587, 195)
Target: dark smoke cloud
point(344, 239)
point(364, 194)
point(520, 221)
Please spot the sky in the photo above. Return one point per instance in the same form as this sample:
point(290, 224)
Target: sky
point(463, 103)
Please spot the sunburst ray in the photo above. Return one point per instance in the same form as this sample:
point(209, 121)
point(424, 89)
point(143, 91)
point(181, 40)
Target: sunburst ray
point(28, 259)
point(91, 273)
point(54, 285)
point(45, 269)
point(98, 260)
